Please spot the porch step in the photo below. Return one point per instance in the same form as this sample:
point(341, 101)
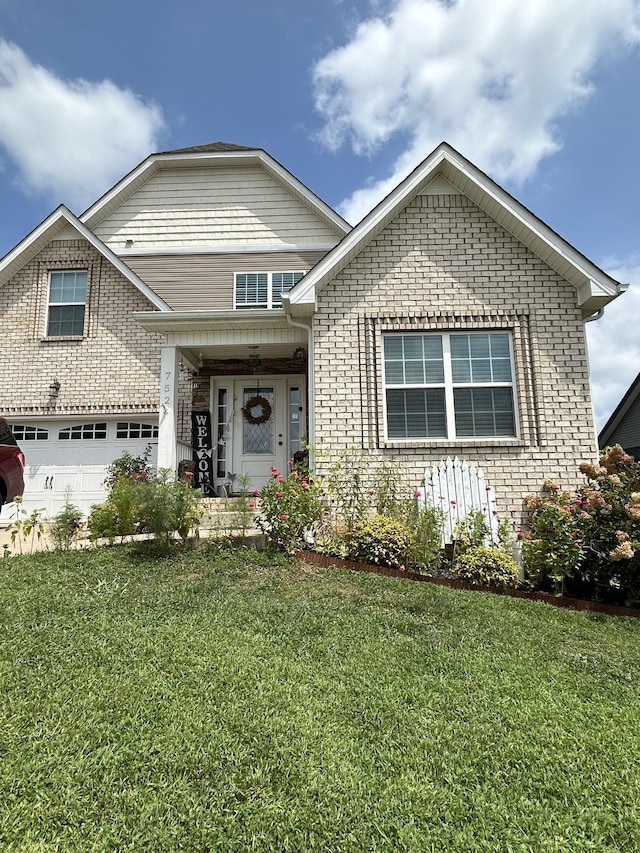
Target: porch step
point(226, 514)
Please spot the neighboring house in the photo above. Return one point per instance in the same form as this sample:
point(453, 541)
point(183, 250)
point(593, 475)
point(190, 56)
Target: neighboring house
point(623, 427)
point(212, 305)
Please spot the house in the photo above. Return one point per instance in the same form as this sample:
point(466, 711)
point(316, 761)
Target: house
point(212, 306)
point(623, 427)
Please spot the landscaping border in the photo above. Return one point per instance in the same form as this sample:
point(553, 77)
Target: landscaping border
point(545, 597)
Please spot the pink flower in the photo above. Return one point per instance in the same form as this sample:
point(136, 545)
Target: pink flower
point(417, 494)
point(292, 491)
point(453, 503)
point(252, 506)
point(305, 486)
point(278, 494)
point(519, 534)
point(487, 488)
point(255, 493)
point(281, 479)
point(283, 517)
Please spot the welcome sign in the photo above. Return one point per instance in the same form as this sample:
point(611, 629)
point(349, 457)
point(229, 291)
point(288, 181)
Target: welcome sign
point(202, 441)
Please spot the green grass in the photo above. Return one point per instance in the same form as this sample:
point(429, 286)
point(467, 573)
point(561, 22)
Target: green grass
point(236, 702)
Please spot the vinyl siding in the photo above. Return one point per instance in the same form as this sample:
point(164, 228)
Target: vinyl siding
point(204, 282)
point(627, 433)
point(213, 207)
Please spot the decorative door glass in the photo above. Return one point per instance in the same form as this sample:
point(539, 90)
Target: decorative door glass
point(258, 438)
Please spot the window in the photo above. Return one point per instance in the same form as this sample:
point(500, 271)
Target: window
point(263, 289)
point(83, 431)
point(67, 299)
point(126, 429)
point(449, 386)
point(29, 433)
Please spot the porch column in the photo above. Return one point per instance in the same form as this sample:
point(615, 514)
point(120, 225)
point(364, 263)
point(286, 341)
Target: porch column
point(168, 422)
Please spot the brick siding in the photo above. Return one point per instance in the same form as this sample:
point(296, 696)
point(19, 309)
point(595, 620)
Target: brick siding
point(443, 264)
point(112, 369)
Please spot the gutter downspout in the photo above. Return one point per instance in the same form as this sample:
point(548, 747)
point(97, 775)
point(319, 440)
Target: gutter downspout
point(311, 389)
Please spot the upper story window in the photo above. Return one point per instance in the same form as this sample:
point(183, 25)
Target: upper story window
point(67, 300)
point(449, 386)
point(263, 289)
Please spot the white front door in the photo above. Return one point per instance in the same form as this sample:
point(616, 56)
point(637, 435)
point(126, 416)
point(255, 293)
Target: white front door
point(259, 446)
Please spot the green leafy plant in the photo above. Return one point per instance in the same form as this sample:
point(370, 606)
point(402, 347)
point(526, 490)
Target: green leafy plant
point(289, 506)
point(382, 541)
point(488, 566)
point(28, 528)
point(134, 468)
point(168, 506)
point(348, 492)
point(66, 525)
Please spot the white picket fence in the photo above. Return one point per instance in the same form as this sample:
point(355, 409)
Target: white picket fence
point(457, 489)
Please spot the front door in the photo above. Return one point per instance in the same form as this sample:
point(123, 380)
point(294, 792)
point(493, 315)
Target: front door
point(260, 440)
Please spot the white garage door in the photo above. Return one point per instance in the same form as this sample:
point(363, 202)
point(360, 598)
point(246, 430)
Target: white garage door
point(71, 456)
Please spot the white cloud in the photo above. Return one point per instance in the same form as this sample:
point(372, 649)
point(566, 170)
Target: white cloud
point(489, 77)
point(614, 343)
point(70, 139)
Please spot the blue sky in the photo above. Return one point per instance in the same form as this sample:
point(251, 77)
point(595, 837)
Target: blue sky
point(348, 95)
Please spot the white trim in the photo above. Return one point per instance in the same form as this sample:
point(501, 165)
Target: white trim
point(48, 230)
point(449, 386)
point(592, 283)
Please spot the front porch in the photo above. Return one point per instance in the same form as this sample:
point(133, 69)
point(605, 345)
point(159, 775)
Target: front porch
point(234, 394)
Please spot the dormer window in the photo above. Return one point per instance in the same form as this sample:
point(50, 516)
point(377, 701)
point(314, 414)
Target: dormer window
point(67, 301)
point(263, 289)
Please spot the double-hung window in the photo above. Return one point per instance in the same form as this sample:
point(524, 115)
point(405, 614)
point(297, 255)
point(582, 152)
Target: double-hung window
point(263, 289)
point(67, 300)
point(449, 386)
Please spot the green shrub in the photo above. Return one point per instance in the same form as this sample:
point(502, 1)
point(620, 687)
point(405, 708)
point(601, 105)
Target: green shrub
point(382, 541)
point(488, 566)
point(168, 506)
point(288, 507)
point(66, 525)
point(134, 468)
point(160, 505)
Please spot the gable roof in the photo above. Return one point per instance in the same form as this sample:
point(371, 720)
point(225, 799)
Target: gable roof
point(629, 399)
point(50, 229)
point(212, 154)
point(595, 288)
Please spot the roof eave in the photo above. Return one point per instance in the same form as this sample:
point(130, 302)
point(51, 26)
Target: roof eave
point(48, 230)
point(574, 267)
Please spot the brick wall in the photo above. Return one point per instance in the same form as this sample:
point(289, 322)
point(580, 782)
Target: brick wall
point(442, 264)
point(113, 368)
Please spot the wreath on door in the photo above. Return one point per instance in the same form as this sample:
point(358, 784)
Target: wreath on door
point(256, 402)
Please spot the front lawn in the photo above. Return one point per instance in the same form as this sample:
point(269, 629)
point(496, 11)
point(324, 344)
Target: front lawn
point(213, 700)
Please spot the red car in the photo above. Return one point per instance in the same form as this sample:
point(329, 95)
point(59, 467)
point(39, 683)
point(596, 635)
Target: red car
point(11, 465)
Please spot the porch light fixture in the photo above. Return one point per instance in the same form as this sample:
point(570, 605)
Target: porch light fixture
point(54, 389)
point(300, 354)
point(254, 356)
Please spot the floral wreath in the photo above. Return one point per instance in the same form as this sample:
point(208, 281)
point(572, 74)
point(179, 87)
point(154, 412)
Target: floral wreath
point(253, 402)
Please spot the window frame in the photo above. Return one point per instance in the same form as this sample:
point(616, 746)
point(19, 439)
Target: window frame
point(449, 387)
point(51, 304)
point(270, 303)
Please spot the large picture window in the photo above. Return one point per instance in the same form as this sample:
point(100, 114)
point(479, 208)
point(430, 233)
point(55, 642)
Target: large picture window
point(67, 299)
point(449, 386)
point(263, 289)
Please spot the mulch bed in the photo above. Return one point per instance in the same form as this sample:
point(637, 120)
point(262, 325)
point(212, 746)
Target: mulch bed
point(547, 598)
